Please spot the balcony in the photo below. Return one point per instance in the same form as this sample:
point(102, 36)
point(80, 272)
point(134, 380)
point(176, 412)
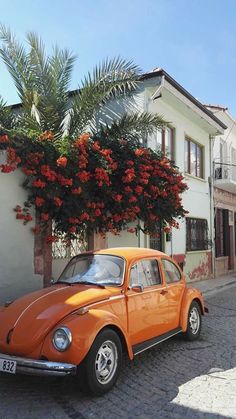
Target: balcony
point(225, 176)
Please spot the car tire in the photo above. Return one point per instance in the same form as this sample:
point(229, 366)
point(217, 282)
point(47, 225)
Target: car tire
point(100, 369)
point(194, 322)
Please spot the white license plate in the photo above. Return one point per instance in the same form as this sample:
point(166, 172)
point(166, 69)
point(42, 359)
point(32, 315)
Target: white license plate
point(7, 366)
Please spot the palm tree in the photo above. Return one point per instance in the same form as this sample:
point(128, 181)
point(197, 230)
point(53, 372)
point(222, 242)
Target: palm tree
point(42, 83)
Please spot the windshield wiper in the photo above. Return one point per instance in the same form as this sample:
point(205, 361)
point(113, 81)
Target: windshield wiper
point(90, 283)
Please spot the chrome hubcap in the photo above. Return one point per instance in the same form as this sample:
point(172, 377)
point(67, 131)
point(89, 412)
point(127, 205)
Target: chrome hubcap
point(194, 320)
point(106, 362)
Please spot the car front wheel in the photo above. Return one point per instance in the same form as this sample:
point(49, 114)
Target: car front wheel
point(101, 367)
point(194, 322)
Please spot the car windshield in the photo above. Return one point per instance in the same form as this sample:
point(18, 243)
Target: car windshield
point(94, 269)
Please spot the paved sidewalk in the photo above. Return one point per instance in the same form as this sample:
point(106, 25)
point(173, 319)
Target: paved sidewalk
point(214, 285)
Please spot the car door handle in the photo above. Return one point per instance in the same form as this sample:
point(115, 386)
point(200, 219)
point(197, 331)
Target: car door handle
point(163, 292)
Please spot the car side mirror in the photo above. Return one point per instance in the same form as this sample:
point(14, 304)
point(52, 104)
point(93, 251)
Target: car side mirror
point(52, 281)
point(137, 288)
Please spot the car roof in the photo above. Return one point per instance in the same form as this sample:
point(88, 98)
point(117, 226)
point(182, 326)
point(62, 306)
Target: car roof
point(130, 252)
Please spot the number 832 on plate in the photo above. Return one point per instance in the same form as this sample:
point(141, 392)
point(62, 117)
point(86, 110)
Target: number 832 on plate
point(7, 366)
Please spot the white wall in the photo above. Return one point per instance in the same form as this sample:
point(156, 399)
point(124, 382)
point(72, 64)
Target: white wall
point(16, 242)
point(196, 199)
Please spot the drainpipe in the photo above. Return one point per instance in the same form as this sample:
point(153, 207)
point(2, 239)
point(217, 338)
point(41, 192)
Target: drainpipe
point(211, 191)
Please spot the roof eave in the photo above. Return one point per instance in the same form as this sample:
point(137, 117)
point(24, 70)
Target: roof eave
point(160, 72)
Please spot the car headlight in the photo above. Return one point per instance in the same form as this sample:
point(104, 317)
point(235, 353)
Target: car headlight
point(62, 339)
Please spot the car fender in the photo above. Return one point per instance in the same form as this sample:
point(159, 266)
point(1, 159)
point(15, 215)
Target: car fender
point(190, 294)
point(85, 328)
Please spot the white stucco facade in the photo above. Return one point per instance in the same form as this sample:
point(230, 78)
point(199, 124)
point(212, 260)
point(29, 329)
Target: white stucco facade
point(188, 121)
point(16, 242)
point(224, 162)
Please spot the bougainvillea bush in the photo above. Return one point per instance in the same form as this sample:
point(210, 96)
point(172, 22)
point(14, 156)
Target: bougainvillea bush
point(94, 183)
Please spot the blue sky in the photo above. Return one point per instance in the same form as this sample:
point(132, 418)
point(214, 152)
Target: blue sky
point(193, 40)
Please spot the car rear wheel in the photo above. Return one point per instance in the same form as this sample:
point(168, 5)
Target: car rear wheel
point(102, 365)
point(194, 322)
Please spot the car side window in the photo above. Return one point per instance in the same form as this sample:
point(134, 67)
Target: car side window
point(146, 273)
point(172, 273)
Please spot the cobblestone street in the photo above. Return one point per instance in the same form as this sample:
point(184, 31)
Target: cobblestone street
point(174, 380)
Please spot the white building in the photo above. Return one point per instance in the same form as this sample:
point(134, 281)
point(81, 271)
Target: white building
point(188, 141)
point(224, 160)
point(25, 261)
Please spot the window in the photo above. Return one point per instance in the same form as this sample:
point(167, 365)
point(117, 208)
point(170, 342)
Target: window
point(172, 274)
point(193, 158)
point(99, 269)
point(196, 234)
point(164, 141)
point(145, 273)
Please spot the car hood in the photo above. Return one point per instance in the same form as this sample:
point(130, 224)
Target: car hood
point(25, 322)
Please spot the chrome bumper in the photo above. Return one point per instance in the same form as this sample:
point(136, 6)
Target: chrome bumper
point(40, 367)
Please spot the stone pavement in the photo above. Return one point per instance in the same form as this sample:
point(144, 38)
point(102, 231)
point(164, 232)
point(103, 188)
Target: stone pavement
point(173, 380)
point(214, 285)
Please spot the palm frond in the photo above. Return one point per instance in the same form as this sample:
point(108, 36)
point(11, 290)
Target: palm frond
point(138, 125)
point(7, 118)
point(61, 65)
point(16, 60)
point(109, 80)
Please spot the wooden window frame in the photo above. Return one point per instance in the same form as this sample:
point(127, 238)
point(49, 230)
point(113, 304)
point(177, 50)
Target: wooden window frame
point(187, 169)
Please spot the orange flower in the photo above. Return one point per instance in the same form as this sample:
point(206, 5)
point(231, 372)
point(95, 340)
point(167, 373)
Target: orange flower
point(72, 229)
point(18, 208)
point(76, 191)
point(96, 146)
point(167, 229)
point(82, 140)
point(131, 230)
point(139, 189)
point(85, 137)
point(6, 168)
point(44, 216)
point(62, 161)
point(58, 201)
point(73, 220)
point(4, 138)
point(39, 201)
point(84, 176)
point(132, 199)
point(46, 135)
point(84, 216)
point(118, 198)
point(129, 175)
point(39, 184)
point(97, 212)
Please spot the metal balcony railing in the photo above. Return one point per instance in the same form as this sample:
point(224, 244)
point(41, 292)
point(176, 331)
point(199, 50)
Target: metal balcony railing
point(225, 171)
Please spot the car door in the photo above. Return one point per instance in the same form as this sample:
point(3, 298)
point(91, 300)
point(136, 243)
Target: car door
point(147, 301)
point(175, 289)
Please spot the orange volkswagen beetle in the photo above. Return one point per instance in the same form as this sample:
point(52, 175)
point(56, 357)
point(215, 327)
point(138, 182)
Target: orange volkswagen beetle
point(104, 303)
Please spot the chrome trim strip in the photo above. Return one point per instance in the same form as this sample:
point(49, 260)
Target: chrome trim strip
point(156, 343)
point(40, 367)
point(37, 299)
point(116, 297)
point(147, 291)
